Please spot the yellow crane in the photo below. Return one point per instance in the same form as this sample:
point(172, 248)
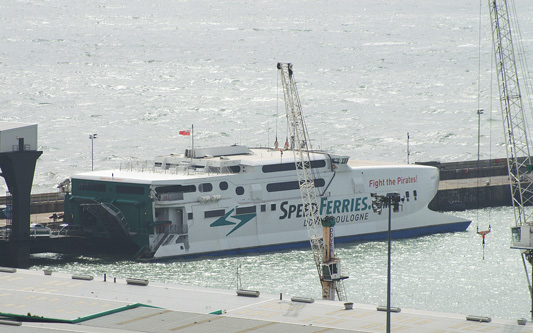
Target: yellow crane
point(320, 230)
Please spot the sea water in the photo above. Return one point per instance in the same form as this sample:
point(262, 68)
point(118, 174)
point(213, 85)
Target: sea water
point(137, 72)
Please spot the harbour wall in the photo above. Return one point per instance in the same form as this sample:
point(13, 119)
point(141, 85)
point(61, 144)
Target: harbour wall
point(472, 185)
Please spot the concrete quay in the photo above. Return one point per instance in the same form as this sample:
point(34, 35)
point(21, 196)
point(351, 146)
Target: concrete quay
point(37, 301)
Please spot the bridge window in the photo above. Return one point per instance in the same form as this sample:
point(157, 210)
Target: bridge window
point(223, 186)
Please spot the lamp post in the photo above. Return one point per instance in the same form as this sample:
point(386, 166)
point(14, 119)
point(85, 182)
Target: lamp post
point(92, 137)
point(479, 113)
point(392, 201)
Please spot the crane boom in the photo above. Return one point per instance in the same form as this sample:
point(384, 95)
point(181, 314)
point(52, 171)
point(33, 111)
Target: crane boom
point(320, 231)
point(515, 130)
point(514, 122)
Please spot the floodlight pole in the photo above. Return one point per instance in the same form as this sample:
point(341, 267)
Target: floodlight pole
point(389, 197)
point(390, 200)
point(92, 137)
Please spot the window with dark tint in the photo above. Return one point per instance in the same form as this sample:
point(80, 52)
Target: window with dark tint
point(245, 210)
point(263, 208)
point(223, 186)
point(230, 169)
point(239, 190)
point(90, 186)
point(176, 188)
point(189, 216)
point(214, 213)
point(290, 166)
point(205, 187)
point(273, 207)
point(130, 189)
point(294, 185)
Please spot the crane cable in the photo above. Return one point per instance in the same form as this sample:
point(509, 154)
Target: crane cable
point(482, 233)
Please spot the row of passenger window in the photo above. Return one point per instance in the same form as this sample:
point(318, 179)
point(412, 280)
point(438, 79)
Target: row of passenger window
point(203, 188)
point(239, 190)
point(291, 166)
point(266, 168)
point(101, 187)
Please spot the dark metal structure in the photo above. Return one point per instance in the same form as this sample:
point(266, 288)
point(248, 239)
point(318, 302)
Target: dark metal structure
point(18, 168)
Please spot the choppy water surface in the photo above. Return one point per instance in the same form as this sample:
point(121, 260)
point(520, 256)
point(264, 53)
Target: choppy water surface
point(137, 72)
point(368, 72)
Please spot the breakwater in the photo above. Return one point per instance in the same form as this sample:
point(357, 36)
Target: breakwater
point(472, 185)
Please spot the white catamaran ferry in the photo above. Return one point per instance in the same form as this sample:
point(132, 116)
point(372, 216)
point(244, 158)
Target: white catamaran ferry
point(236, 199)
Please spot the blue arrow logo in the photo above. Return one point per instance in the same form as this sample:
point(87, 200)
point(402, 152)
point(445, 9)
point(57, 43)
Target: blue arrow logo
point(222, 221)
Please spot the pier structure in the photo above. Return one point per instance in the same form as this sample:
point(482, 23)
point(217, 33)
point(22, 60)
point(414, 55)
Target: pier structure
point(18, 156)
point(46, 301)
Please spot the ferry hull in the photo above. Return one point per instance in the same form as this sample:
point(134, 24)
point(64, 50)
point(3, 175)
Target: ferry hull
point(442, 224)
point(254, 206)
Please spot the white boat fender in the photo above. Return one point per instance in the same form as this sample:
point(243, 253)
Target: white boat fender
point(481, 319)
point(302, 299)
point(248, 293)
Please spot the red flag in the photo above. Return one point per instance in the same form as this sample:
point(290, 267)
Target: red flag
point(187, 132)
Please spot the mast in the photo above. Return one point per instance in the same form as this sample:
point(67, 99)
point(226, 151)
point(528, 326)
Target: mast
point(320, 238)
